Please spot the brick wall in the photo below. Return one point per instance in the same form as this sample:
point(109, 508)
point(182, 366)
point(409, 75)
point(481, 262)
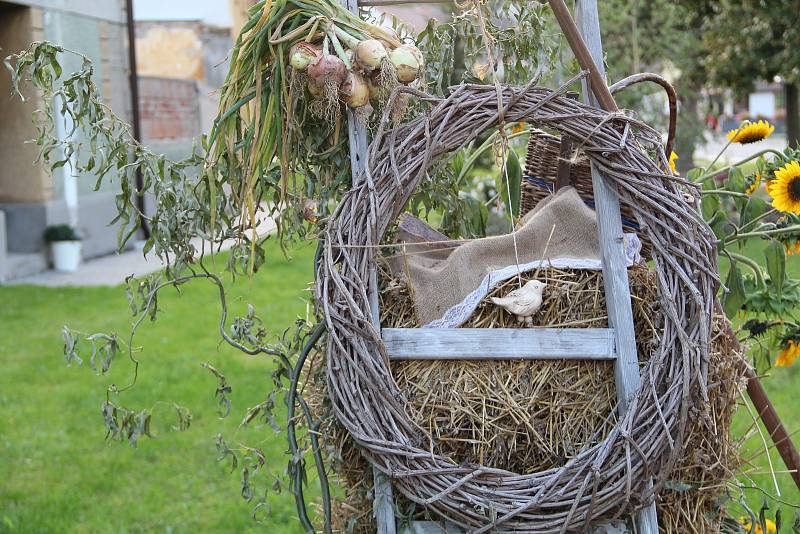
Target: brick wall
point(169, 109)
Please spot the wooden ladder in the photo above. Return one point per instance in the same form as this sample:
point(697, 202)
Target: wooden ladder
point(617, 343)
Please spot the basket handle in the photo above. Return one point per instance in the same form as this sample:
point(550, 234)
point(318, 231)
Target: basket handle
point(672, 97)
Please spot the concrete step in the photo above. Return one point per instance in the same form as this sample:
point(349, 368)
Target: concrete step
point(22, 265)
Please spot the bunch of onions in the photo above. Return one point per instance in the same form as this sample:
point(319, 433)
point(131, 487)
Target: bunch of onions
point(327, 70)
point(354, 90)
point(302, 54)
point(408, 62)
point(370, 54)
point(350, 64)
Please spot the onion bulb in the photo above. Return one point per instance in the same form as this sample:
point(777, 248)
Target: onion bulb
point(355, 91)
point(327, 70)
point(408, 61)
point(314, 88)
point(370, 53)
point(302, 54)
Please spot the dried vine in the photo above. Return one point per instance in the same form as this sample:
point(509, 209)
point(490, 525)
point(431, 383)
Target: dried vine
point(604, 480)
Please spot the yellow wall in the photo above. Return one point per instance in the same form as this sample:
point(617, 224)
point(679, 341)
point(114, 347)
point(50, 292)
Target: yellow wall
point(239, 14)
point(21, 180)
point(170, 50)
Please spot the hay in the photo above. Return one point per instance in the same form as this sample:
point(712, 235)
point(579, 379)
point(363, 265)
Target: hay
point(522, 416)
point(529, 416)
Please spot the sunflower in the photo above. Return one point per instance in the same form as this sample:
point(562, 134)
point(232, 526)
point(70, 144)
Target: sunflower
point(785, 188)
point(787, 355)
point(772, 528)
point(753, 182)
point(673, 157)
point(792, 248)
point(751, 132)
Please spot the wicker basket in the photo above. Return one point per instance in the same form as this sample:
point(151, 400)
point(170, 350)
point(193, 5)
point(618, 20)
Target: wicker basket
point(544, 151)
point(541, 170)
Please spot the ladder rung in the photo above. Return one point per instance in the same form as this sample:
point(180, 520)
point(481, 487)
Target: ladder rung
point(499, 343)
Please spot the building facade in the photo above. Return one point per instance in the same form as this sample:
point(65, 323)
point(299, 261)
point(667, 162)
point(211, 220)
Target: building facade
point(30, 197)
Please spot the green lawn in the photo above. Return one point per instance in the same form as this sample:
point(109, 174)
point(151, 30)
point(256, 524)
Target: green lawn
point(783, 387)
point(58, 474)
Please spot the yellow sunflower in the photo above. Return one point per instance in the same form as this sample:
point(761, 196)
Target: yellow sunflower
point(792, 248)
point(785, 188)
point(518, 127)
point(751, 132)
point(788, 354)
point(772, 528)
point(752, 186)
point(673, 157)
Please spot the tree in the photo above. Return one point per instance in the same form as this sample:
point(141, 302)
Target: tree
point(756, 40)
point(660, 35)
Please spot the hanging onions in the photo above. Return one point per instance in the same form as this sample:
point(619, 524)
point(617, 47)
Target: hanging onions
point(408, 61)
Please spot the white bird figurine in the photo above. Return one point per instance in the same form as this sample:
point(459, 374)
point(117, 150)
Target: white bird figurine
point(523, 302)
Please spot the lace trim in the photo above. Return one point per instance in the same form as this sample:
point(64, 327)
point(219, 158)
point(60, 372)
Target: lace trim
point(456, 315)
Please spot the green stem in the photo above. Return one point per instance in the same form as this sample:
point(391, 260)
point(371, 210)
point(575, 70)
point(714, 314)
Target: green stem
point(348, 40)
point(723, 149)
point(708, 175)
point(470, 161)
point(758, 219)
point(750, 263)
point(766, 233)
point(724, 192)
point(339, 50)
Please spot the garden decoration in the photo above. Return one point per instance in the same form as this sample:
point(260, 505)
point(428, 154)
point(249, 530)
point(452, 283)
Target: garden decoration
point(278, 147)
point(592, 61)
point(647, 440)
point(550, 163)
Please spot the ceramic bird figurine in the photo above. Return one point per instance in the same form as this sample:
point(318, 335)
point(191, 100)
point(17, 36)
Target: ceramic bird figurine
point(523, 302)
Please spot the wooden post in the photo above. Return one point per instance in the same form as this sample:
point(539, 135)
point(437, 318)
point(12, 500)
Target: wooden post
point(588, 49)
point(382, 501)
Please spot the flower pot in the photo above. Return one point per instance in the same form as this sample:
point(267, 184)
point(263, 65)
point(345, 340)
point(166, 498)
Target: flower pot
point(66, 255)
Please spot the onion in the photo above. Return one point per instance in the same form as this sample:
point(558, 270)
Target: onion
point(314, 88)
point(370, 53)
point(355, 90)
point(408, 61)
point(302, 54)
point(327, 70)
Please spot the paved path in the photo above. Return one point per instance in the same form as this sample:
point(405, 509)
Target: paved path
point(112, 270)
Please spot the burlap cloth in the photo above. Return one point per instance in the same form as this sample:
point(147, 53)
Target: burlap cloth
point(442, 277)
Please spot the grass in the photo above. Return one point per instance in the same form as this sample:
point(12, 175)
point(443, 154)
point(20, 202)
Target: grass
point(59, 474)
point(783, 386)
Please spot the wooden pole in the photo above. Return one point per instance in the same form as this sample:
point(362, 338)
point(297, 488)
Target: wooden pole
point(755, 390)
point(773, 425)
point(382, 499)
point(597, 81)
point(584, 39)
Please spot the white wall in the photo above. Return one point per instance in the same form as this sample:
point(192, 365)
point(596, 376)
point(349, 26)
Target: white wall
point(762, 104)
point(111, 10)
point(212, 12)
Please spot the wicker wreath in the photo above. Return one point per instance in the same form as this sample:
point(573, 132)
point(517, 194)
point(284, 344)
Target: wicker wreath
point(605, 480)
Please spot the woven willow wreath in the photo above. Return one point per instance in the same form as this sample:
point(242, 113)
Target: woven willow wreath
point(606, 480)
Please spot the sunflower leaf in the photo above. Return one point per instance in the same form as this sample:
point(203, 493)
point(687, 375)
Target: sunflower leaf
point(776, 266)
point(735, 298)
point(736, 182)
point(754, 208)
point(710, 203)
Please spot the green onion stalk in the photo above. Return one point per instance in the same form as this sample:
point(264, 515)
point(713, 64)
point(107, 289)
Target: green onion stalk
point(263, 146)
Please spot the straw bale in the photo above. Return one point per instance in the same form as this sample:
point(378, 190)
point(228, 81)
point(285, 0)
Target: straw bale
point(532, 415)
